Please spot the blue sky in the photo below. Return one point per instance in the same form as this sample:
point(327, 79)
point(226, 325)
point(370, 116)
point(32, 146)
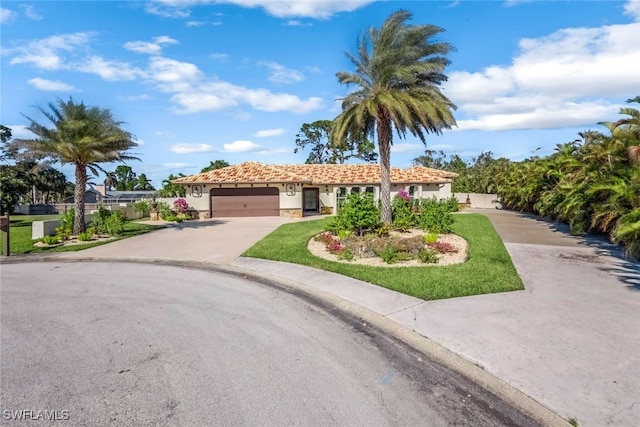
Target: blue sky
point(200, 80)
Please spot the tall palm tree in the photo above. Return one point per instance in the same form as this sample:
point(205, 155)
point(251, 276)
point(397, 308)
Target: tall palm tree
point(110, 180)
point(398, 74)
point(143, 183)
point(79, 135)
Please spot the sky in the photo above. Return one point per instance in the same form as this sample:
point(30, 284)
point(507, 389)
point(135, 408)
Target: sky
point(200, 80)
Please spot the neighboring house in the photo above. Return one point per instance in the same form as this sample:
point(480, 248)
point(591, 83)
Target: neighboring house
point(256, 189)
point(102, 195)
point(90, 196)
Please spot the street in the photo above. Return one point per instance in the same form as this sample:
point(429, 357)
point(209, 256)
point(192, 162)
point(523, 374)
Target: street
point(126, 344)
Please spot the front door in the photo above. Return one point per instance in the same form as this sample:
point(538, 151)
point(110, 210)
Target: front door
point(311, 199)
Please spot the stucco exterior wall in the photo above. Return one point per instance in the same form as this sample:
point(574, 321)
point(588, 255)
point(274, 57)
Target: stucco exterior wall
point(328, 194)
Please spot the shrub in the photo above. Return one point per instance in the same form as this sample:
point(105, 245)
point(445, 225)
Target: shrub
point(180, 206)
point(346, 254)
point(86, 236)
point(65, 228)
point(105, 221)
point(164, 211)
point(325, 238)
point(50, 240)
point(403, 216)
point(114, 224)
point(358, 214)
point(435, 216)
point(389, 255)
point(402, 224)
point(430, 238)
point(443, 247)
point(428, 256)
point(170, 217)
point(143, 206)
point(383, 230)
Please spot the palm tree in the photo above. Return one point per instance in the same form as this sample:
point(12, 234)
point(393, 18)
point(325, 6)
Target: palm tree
point(398, 74)
point(143, 183)
point(169, 189)
point(80, 135)
point(110, 180)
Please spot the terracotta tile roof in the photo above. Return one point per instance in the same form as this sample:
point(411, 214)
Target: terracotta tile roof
point(255, 172)
point(248, 172)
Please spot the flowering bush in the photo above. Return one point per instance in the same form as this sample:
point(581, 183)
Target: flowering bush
point(404, 195)
point(180, 206)
point(443, 247)
point(335, 248)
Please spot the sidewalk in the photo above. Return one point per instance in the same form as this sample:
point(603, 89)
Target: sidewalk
point(570, 340)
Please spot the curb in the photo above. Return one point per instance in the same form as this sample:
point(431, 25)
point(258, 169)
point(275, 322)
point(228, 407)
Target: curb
point(422, 344)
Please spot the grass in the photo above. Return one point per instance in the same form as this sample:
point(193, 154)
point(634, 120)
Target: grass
point(21, 243)
point(488, 270)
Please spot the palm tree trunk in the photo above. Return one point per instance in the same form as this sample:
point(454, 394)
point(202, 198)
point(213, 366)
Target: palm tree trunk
point(384, 145)
point(78, 195)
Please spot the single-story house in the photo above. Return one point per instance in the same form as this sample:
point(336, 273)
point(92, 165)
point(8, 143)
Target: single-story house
point(256, 189)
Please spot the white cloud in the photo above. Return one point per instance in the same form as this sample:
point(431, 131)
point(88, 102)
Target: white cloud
point(218, 95)
point(269, 132)
point(241, 146)
point(46, 53)
point(143, 47)
point(139, 141)
point(282, 74)
point(21, 132)
point(108, 70)
point(632, 8)
point(296, 23)
point(31, 13)
point(50, 85)
point(6, 15)
point(318, 9)
point(148, 47)
point(165, 40)
point(407, 147)
point(172, 75)
point(564, 79)
point(175, 165)
point(219, 56)
point(184, 148)
point(134, 98)
point(553, 114)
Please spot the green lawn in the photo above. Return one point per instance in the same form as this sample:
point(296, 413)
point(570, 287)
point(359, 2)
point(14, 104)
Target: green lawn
point(21, 243)
point(489, 268)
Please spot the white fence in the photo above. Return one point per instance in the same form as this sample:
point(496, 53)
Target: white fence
point(479, 200)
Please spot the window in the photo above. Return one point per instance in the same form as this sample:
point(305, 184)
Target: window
point(355, 189)
point(370, 190)
point(413, 191)
point(341, 197)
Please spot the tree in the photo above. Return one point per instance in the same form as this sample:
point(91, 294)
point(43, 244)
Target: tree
point(143, 183)
point(126, 178)
point(325, 150)
point(218, 164)
point(110, 180)
point(432, 159)
point(79, 135)
point(169, 189)
point(398, 74)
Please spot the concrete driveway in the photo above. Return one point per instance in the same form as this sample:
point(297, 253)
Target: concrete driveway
point(570, 340)
point(217, 241)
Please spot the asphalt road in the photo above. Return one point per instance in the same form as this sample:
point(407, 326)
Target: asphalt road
point(137, 344)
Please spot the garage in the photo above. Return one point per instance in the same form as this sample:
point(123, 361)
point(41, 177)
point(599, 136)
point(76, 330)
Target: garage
point(234, 202)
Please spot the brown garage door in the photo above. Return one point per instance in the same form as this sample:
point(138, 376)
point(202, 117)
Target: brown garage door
point(245, 202)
